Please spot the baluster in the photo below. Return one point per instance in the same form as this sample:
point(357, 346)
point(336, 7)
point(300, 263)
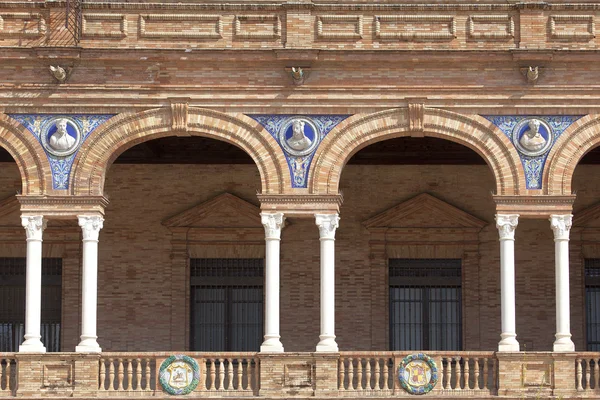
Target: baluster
point(253, 379)
point(111, 374)
point(120, 374)
point(476, 366)
point(596, 372)
point(467, 374)
point(341, 374)
point(221, 373)
point(138, 374)
point(359, 374)
point(485, 373)
point(148, 372)
point(230, 374)
point(457, 374)
point(494, 383)
point(386, 374)
point(579, 374)
point(588, 373)
point(447, 372)
point(102, 374)
point(350, 373)
point(212, 385)
point(8, 373)
point(377, 375)
point(368, 374)
point(129, 372)
point(238, 374)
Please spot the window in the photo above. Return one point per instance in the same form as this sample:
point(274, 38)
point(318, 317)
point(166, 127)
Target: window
point(12, 303)
point(592, 303)
point(226, 304)
point(425, 304)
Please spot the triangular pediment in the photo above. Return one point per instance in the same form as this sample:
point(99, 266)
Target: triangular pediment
point(225, 210)
point(588, 217)
point(424, 211)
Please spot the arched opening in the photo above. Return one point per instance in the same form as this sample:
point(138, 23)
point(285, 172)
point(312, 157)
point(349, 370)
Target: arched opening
point(182, 238)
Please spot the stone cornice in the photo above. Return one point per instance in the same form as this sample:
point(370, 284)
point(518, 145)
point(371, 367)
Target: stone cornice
point(534, 206)
point(62, 206)
point(302, 205)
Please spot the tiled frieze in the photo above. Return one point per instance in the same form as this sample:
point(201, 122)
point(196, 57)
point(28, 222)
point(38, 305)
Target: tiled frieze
point(533, 137)
point(299, 137)
point(61, 137)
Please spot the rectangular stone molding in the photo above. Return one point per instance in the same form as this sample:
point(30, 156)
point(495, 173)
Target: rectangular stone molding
point(343, 27)
point(415, 27)
point(104, 25)
point(572, 27)
point(491, 27)
point(19, 24)
point(181, 26)
point(257, 27)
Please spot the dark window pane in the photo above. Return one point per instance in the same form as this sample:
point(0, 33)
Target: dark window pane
point(425, 304)
point(227, 304)
point(592, 303)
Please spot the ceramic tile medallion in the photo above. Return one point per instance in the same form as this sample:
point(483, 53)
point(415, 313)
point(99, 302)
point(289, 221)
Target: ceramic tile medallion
point(533, 137)
point(179, 374)
point(418, 373)
point(61, 137)
point(299, 136)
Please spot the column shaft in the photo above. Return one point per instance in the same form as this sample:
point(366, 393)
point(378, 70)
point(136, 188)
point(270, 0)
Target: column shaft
point(506, 224)
point(327, 224)
point(34, 228)
point(273, 223)
point(89, 302)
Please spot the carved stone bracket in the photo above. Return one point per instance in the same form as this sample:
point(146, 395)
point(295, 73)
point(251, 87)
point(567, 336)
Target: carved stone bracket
point(416, 117)
point(180, 118)
point(305, 206)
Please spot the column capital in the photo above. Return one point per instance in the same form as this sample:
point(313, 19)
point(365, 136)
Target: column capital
point(273, 223)
point(561, 226)
point(327, 224)
point(506, 224)
point(90, 226)
point(34, 226)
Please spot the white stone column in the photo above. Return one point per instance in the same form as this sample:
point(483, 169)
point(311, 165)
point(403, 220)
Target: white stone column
point(273, 222)
point(34, 228)
point(90, 228)
point(327, 224)
point(561, 226)
point(506, 224)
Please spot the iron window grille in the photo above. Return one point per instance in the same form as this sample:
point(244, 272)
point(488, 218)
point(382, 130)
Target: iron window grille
point(226, 304)
point(425, 304)
point(12, 303)
point(592, 303)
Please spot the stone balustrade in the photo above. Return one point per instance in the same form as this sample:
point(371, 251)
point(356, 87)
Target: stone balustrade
point(473, 375)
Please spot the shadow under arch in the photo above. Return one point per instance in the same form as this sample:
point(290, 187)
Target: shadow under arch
point(34, 167)
point(579, 138)
point(118, 134)
point(472, 131)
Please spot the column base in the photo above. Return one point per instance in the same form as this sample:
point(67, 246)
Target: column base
point(271, 345)
point(563, 342)
point(327, 344)
point(508, 342)
point(34, 345)
point(88, 345)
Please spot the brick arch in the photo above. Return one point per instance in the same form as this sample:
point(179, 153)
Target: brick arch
point(360, 131)
point(111, 139)
point(579, 138)
point(26, 150)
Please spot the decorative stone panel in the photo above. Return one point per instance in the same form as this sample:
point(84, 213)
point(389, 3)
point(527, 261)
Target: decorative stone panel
point(491, 27)
point(18, 24)
point(341, 27)
point(257, 27)
point(415, 27)
point(181, 26)
point(104, 25)
point(57, 375)
point(572, 27)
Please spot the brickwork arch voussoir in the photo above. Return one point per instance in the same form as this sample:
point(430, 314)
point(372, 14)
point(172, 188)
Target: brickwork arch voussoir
point(581, 137)
point(29, 155)
point(126, 130)
point(360, 131)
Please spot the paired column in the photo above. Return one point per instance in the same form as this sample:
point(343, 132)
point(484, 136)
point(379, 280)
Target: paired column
point(90, 227)
point(34, 228)
point(561, 226)
point(327, 224)
point(506, 224)
point(273, 222)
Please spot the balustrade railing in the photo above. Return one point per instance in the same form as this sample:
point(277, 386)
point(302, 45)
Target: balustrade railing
point(587, 367)
point(375, 373)
point(8, 374)
point(223, 373)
